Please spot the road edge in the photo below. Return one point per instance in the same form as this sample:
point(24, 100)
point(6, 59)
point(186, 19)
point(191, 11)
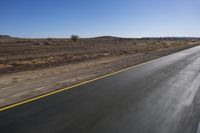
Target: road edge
point(79, 84)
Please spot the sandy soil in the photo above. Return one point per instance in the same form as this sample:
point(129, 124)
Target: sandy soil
point(31, 54)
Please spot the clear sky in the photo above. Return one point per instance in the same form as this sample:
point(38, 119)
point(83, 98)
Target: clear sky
point(88, 18)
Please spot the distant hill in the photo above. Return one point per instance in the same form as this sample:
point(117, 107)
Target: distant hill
point(5, 36)
point(169, 38)
point(144, 38)
point(105, 37)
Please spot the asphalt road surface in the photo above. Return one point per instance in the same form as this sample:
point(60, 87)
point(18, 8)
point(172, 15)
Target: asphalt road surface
point(162, 96)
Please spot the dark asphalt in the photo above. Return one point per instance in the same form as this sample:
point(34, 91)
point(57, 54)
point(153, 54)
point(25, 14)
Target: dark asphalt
point(162, 96)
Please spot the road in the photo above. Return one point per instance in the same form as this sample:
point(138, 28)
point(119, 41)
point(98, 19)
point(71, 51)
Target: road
point(161, 96)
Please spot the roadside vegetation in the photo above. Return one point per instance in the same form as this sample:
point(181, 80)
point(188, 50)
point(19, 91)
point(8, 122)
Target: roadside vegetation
point(19, 54)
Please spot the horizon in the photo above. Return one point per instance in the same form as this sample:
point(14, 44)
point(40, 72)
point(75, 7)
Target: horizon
point(93, 18)
point(103, 36)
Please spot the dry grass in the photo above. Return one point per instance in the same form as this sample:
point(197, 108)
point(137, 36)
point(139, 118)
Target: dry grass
point(24, 54)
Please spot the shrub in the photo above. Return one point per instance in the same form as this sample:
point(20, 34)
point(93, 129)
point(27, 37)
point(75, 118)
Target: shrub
point(74, 38)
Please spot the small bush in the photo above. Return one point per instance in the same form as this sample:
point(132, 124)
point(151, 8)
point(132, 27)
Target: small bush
point(74, 38)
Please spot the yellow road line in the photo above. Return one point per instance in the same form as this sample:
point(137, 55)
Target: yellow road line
point(67, 88)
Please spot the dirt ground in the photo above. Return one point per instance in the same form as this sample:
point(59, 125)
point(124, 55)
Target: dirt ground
point(31, 67)
point(30, 54)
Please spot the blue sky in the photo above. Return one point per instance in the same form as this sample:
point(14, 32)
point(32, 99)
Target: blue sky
point(88, 18)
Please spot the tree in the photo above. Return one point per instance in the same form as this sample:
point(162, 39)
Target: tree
point(74, 38)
